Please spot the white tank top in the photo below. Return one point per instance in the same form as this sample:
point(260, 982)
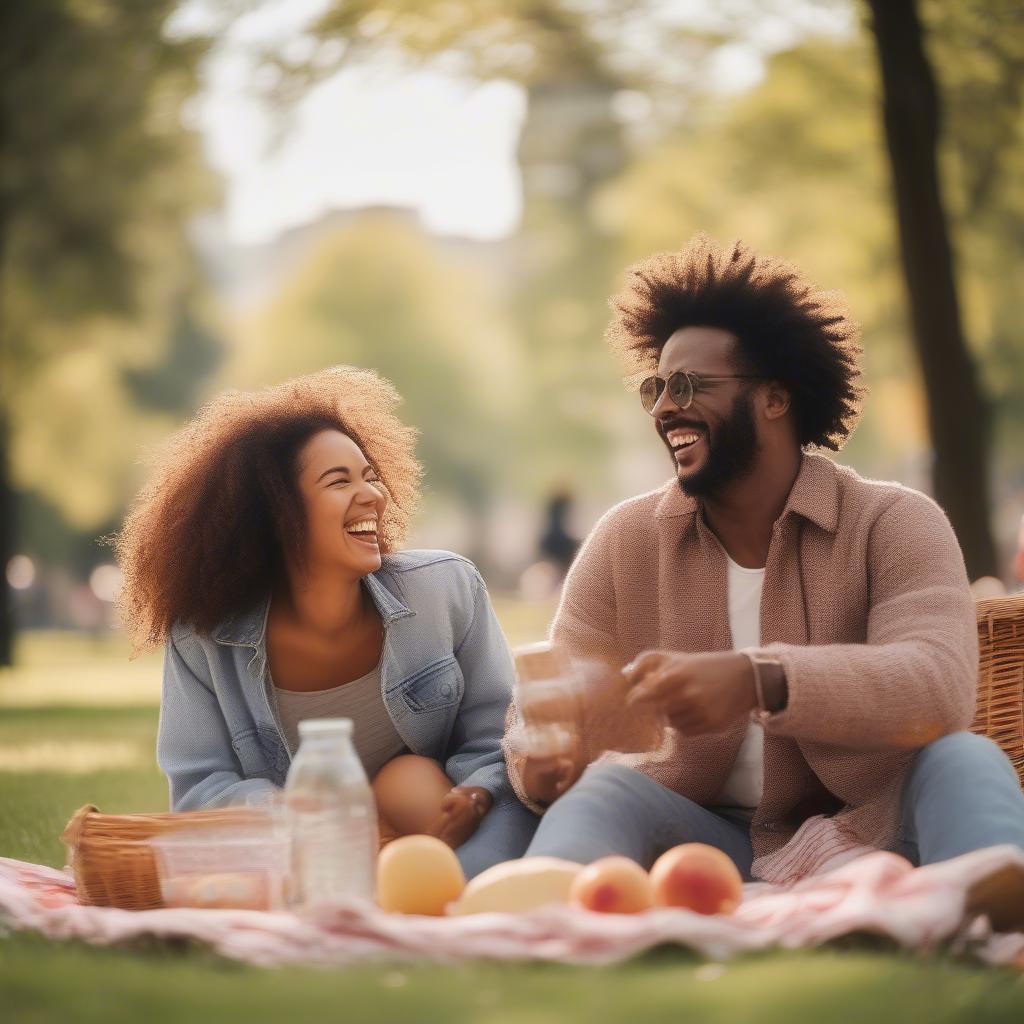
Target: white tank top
point(374, 735)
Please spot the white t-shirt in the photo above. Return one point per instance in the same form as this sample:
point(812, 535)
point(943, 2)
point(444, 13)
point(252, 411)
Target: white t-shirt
point(745, 783)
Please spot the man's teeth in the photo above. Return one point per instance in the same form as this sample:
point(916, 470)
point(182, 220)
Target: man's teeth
point(682, 438)
point(364, 526)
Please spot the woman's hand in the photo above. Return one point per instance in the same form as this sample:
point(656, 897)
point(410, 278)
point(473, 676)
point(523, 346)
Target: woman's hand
point(462, 810)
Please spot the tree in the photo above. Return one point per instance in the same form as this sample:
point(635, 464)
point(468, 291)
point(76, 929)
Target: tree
point(977, 48)
point(958, 414)
point(97, 174)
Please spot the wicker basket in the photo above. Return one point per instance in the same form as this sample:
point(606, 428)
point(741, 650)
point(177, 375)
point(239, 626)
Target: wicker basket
point(1000, 709)
point(114, 865)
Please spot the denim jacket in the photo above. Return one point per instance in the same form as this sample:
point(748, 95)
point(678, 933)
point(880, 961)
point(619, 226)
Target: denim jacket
point(446, 681)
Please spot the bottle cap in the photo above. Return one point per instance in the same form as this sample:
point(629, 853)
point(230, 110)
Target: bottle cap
point(325, 727)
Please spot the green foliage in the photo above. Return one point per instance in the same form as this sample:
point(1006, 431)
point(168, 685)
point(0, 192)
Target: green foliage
point(523, 40)
point(82, 456)
point(191, 353)
point(978, 48)
point(97, 170)
point(101, 315)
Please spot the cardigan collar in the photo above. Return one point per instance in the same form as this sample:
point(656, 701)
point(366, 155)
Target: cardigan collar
point(814, 495)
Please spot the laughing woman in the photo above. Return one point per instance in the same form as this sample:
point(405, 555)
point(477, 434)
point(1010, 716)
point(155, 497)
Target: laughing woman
point(264, 554)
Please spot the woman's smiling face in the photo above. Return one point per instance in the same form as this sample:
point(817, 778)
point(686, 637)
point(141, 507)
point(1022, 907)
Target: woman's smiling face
point(344, 502)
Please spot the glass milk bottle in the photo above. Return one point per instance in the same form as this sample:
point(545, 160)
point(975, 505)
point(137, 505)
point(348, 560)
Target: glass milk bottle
point(332, 817)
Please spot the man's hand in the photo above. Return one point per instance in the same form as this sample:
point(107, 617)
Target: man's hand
point(698, 693)
point(547, 777)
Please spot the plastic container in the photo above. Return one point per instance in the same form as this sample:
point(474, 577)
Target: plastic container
point(332, 818)
point(564, 701)
point(550, 700)
point(237, 867)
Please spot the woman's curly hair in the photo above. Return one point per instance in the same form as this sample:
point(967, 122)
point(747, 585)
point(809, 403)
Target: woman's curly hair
point(212, 531)
point(786, 328)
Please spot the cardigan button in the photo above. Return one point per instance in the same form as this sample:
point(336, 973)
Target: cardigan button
point(771, 826)
point(446, 690)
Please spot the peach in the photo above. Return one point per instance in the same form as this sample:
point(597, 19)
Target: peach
point(612, 885)
point(697, 877)
point(418, 875)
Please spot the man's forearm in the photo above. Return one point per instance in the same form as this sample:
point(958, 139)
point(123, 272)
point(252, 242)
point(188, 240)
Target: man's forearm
point(882, 696)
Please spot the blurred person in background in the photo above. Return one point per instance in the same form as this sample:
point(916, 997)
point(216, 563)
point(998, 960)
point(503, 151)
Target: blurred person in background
point(556, 548)
point(265, 554)
point(557, 545)
point(807, 635)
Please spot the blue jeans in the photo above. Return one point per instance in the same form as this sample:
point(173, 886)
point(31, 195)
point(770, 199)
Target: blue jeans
point(961, 794)
point(504, 834)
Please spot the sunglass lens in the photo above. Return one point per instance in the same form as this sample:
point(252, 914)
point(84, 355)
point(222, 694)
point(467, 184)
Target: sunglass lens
point(680, 389)
point(650, 390)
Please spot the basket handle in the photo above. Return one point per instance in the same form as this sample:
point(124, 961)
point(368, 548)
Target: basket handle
point(73, 829)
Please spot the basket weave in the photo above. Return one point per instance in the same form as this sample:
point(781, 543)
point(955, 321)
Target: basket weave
point(1000, 709)
point(114, 865)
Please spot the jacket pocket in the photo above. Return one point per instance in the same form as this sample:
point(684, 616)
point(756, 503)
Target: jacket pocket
point(438, 686)
point(275, 753)
point(251, 754)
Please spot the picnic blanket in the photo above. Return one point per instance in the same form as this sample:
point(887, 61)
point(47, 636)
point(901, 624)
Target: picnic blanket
point(879, 894)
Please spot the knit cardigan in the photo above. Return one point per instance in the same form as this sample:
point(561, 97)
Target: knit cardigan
point(866, 605)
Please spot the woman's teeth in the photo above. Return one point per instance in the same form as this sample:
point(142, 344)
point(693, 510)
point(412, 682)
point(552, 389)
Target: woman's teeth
point(363, 526)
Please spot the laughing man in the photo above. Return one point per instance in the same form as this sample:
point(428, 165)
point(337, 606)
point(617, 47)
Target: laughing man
point(808, 635)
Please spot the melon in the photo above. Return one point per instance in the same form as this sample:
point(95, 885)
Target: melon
point(518, 885)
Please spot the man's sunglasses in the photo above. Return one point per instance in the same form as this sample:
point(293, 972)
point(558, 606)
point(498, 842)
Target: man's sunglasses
point(682, 386)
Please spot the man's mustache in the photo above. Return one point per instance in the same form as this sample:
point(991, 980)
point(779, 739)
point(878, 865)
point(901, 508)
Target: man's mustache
point(664, 426)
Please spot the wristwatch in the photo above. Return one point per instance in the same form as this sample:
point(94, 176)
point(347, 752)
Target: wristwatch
point(766, 670)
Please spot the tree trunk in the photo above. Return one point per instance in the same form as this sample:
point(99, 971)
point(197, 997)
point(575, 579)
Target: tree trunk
point(6, 546)
point(958, 414)
point(6, 489)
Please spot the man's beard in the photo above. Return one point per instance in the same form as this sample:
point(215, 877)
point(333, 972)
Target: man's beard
point(732, 452)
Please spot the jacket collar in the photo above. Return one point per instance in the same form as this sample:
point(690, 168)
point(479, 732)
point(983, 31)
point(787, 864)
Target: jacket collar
point(249, 628)
point(814, 495)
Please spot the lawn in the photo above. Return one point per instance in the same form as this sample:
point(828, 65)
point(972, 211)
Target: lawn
point(77, 725)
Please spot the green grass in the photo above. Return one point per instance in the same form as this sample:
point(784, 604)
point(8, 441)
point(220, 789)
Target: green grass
point(40, 982)
point(77, 725)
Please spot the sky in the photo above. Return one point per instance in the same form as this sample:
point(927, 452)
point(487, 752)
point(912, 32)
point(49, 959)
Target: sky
point(441, 145)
